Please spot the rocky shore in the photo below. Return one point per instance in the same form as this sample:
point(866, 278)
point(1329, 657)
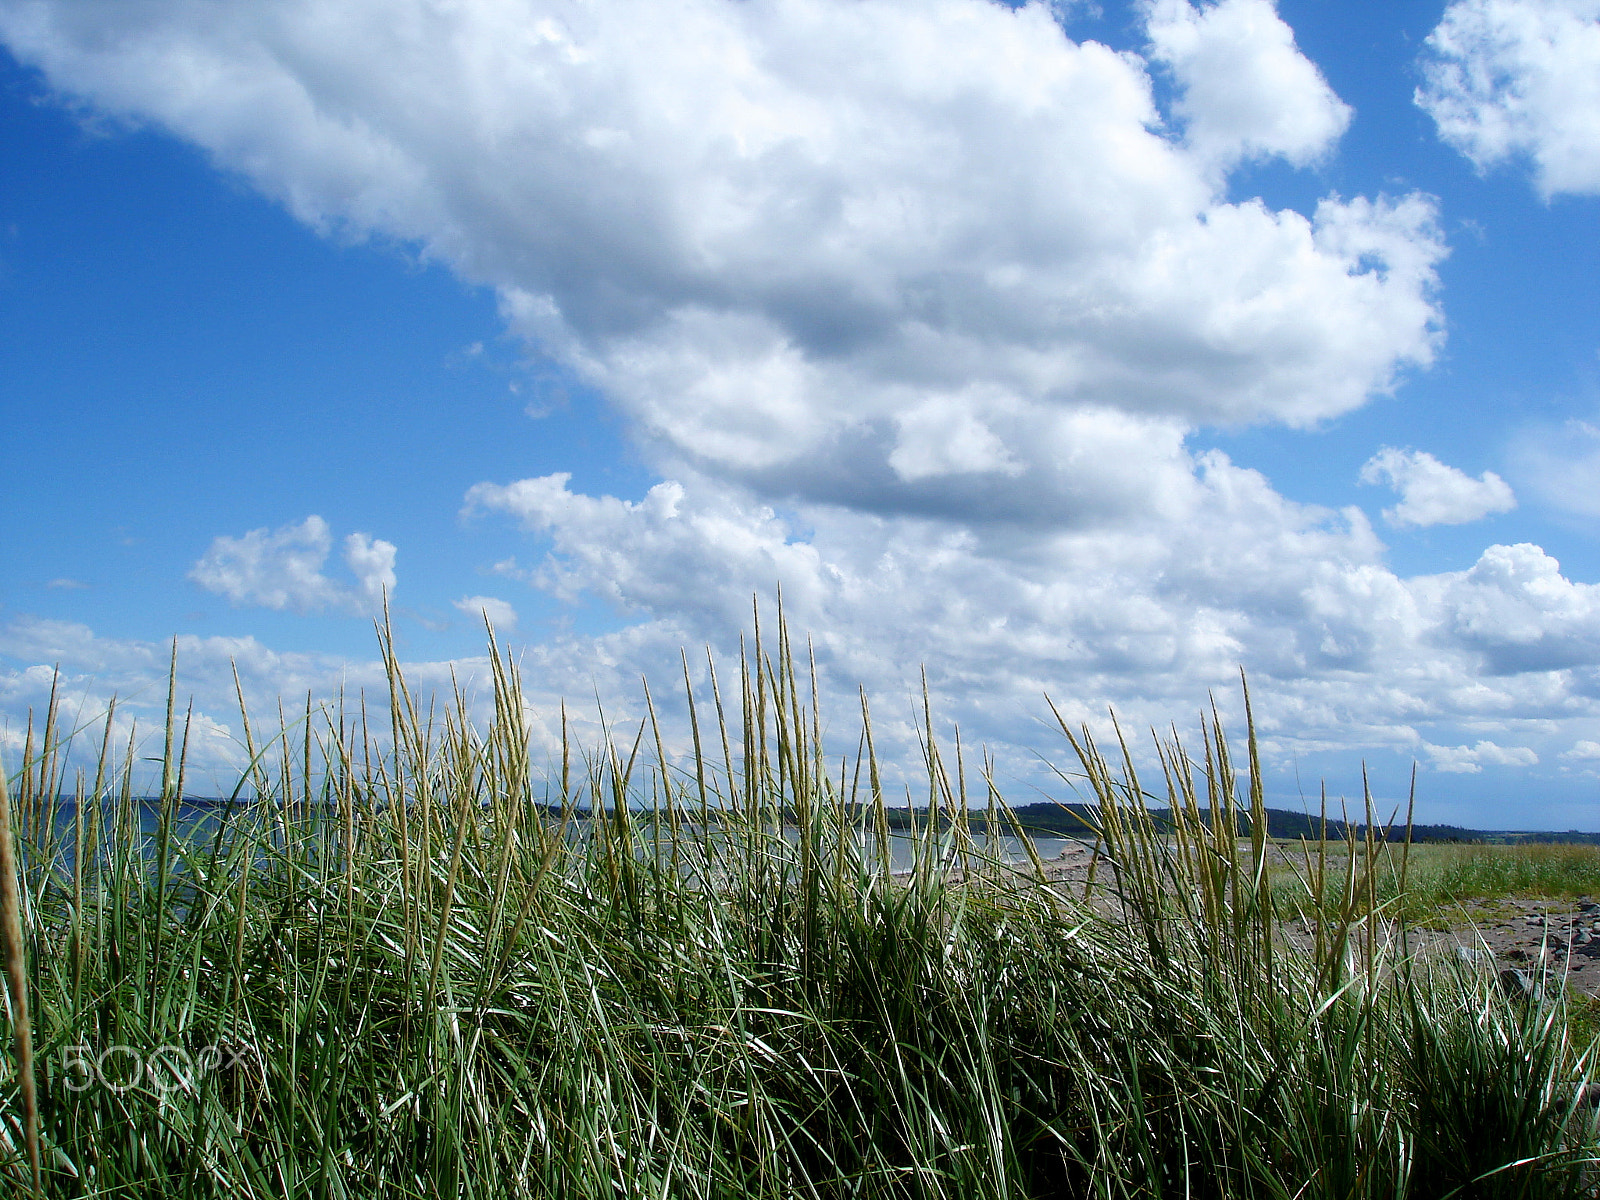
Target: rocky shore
point(1531, 945)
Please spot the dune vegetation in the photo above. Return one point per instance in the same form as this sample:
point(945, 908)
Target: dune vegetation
point(1432, 881)
point(422, 962)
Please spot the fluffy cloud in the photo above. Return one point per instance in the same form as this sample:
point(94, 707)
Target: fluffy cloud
point(1248, 92)
point(1463, 760)
point(851, 252)
point(95, 670)
point(1432, 493)
point(1508, 79)
point(500, 613)
point(1340, 650)
point(1516, 609)
point(283, 569)
point(1493, 668)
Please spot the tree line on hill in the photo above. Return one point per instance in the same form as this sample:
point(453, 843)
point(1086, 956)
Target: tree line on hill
point(1052, 819)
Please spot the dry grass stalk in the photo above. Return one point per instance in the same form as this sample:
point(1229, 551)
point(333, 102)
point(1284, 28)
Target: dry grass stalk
point(17, 977)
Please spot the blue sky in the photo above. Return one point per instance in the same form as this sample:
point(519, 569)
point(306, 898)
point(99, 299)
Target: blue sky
point(1047, 347)
point(212, 361)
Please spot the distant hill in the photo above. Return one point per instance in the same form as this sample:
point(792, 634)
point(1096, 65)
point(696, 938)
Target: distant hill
point(1078, 820)
point(1049, 819)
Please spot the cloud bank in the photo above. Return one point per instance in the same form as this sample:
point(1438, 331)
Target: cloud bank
point(896, 255)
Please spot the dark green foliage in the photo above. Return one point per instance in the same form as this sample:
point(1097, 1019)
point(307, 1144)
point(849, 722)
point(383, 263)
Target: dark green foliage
point(409, 971)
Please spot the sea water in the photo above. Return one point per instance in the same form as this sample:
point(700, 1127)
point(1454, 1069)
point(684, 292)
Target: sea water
point(194, 822)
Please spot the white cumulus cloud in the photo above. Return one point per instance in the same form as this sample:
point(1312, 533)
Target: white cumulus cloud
point(1520, 79)
point(1432, 493)
point(1518, 611)
point(1583, 751)
point(1247, 91)
point(1470, 760)
point(283, 569)
point(854, 251)
point(1146, 615)
point(501, 613)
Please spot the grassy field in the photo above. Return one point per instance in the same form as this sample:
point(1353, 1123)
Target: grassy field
point(394, 973)
point(1435, 883)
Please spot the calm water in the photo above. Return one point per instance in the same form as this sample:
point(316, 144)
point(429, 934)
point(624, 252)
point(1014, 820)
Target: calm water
point(196, 820)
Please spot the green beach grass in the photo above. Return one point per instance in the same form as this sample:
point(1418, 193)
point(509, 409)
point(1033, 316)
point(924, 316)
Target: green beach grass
point(1434, 884)
point(412, 966)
